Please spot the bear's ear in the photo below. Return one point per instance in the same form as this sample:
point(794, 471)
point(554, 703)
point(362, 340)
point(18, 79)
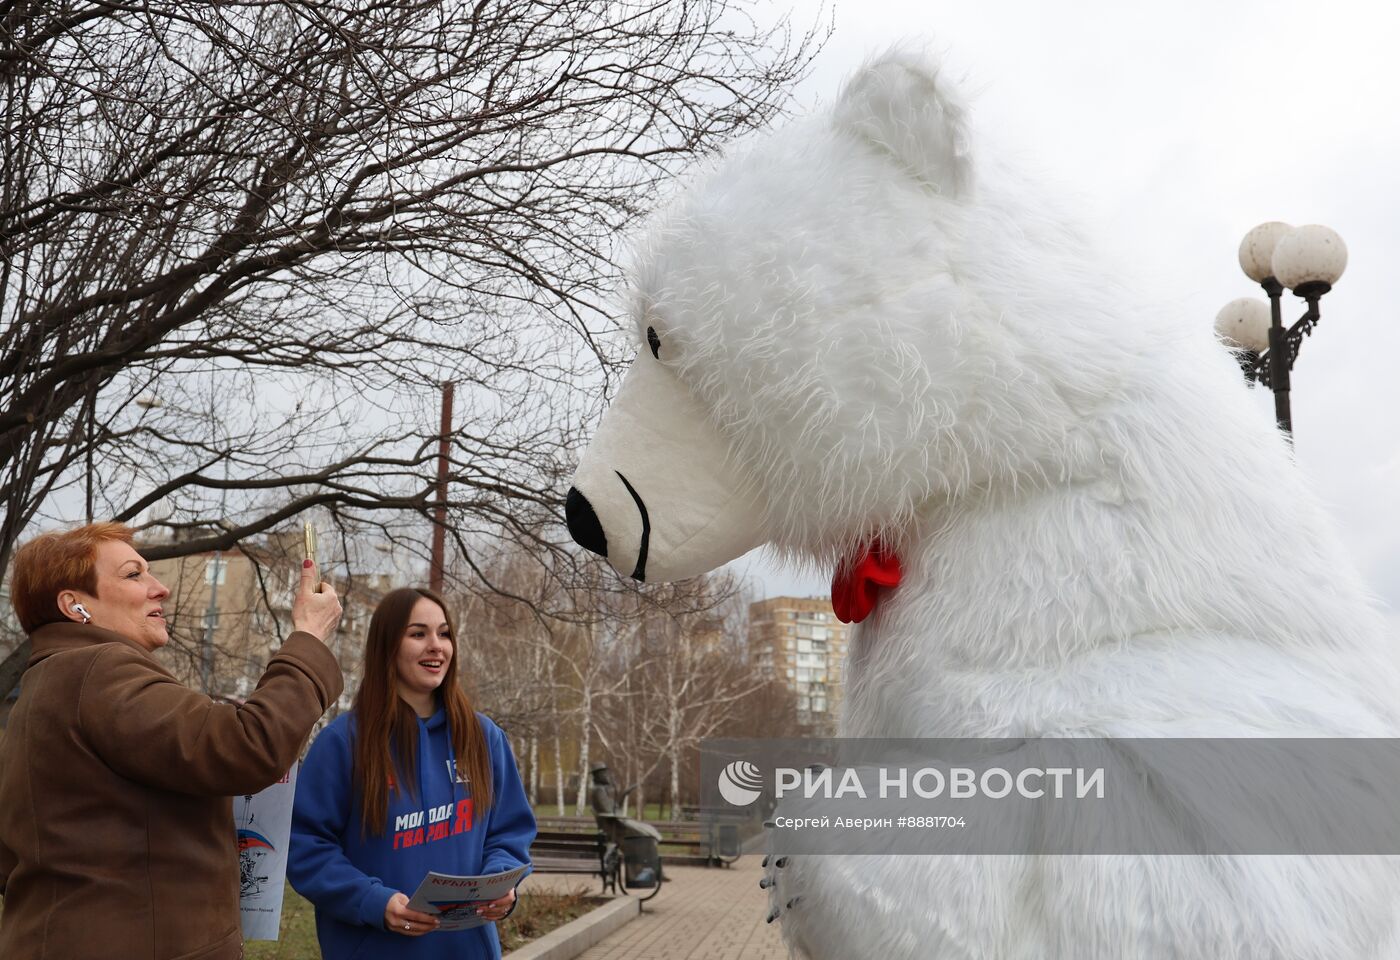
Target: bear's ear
point(899, 104)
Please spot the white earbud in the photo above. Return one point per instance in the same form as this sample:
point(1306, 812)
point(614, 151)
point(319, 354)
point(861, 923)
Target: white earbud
point(81, 611)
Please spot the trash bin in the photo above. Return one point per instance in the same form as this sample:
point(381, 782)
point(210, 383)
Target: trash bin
point(728, 840)
point(641, 862)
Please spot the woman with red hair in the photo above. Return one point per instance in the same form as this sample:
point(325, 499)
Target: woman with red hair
point(116, 824)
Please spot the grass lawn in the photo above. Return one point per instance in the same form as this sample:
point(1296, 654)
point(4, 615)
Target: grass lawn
point(298, 933)
point(537, 914)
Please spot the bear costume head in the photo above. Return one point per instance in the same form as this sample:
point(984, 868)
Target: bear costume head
point(799, 311)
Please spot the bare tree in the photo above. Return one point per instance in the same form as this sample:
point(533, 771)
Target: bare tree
point(579, 658)
point(692, 676)
point(537, 647)
point(242, 242)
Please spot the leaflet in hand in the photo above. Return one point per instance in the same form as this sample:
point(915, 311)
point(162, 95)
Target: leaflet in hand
point(457, 900)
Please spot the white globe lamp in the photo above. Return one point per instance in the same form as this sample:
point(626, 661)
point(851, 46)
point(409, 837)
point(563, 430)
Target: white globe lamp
point(1257, 249)
point(1244, 324)
point(1309, 260)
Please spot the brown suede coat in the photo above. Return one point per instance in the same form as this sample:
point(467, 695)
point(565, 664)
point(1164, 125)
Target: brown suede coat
point(116, 823)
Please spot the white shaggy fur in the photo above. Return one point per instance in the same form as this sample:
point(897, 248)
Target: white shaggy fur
point(1100, 535)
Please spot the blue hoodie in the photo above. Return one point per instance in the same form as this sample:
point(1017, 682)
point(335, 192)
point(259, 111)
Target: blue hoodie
point(350, 877)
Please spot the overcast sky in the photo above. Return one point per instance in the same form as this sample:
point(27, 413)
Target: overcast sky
point(1176, 128)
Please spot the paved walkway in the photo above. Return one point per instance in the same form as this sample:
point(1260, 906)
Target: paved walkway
point(702, 913)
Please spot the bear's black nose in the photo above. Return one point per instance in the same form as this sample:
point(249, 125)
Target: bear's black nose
point(583, 523)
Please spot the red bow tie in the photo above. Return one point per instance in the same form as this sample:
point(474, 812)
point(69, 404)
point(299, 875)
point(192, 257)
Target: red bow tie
point(856, 585)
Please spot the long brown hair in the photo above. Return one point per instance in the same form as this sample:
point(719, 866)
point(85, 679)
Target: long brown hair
point(383, 718)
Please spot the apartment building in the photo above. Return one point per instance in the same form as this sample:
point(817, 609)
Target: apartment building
point(228, 612)
point(799, 640)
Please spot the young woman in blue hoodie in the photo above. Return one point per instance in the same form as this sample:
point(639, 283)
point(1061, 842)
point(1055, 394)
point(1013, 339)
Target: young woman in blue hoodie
point(410, 780)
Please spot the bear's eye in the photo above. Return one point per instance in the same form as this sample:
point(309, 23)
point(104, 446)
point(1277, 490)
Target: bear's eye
point(654, 342)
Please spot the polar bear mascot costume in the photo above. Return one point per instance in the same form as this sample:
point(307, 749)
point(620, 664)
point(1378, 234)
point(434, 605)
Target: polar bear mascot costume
point(1057, 513)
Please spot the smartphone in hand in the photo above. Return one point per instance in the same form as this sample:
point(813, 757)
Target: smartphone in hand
point(308, 534)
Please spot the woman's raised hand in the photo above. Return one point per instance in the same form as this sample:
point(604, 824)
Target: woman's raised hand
point(315, 612)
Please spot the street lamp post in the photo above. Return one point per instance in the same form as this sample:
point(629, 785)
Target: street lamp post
point(435, 566)
point(1307, 260)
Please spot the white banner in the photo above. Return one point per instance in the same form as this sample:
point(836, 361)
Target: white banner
point(263, 825)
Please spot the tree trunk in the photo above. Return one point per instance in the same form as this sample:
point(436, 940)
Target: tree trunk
point(558, 774)
point(534, 770)
point(675, 762)
point(583, 745)
point(674, 724)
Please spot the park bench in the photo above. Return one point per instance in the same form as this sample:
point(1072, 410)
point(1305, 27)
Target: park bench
point(683, 843)
point(560, 851)
point(574, 851)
